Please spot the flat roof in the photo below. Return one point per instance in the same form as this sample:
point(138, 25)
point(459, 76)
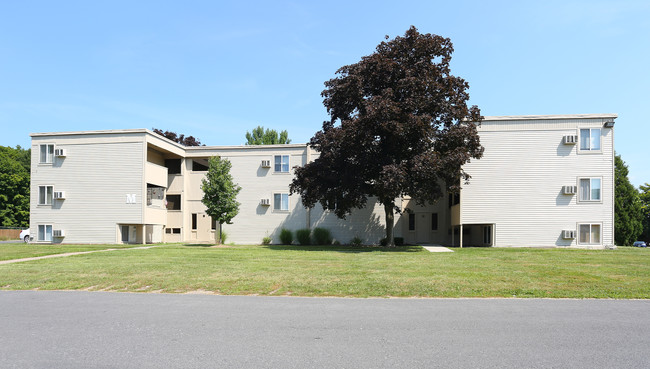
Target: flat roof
point(551, 117)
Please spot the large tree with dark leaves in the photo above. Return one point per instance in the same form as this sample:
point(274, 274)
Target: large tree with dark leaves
point(181, 139)
point(399, 125)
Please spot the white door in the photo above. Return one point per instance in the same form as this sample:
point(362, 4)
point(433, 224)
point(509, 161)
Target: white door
point(422, 227)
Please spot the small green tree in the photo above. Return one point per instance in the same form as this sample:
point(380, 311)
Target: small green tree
point(260, 136)
point(220, 192)
point(628, 214)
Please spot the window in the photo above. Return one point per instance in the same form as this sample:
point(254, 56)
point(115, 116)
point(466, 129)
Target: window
point(200, 165)
point(173, 230)
point(590, 139)
point(173, 166)
point(454, 199)
point(173, 202)
point(282, 163)
point(434, 221)
point(155, 195)
point(194, 216)
point(411, 222)
point(589, 234)
point(45, 195)
point(213, 223)
point(44, 232)
point(47, 153)
point(281, 201)
point(590, 189)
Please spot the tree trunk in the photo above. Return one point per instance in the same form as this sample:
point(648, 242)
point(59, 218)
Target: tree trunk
point(390, 221)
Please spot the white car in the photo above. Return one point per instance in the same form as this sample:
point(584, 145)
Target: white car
point(24, 235)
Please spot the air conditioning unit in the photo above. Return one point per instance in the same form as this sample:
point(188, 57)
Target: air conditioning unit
point(569, 190)
point(58, 233)
point(59, 152)
point(266, 163)
point(568, 234)
point(265, 202)
point(570, 139)
point(59, 195)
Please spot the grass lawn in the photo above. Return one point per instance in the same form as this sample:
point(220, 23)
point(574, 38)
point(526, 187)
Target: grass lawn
point(19, 250)
point(344, 271)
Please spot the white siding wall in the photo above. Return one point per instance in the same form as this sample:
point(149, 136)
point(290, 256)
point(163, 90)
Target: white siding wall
point(254, 221)
point(96, 176)
point(517, 185)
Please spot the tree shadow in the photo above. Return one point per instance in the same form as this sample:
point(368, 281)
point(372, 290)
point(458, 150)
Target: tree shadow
point(198, 244)
point(345, 248)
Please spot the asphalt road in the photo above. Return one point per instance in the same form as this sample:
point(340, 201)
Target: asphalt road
point(126, 330)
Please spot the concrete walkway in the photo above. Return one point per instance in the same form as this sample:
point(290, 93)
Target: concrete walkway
point(69, 254)
point(436, 248)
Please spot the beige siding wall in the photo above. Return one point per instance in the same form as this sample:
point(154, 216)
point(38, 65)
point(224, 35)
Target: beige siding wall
point(96, 175)
point(517, 185)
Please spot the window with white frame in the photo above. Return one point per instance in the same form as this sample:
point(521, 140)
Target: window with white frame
point(46, 153)
point(281, 201)
point(590, 189)
point(45, 195)
point(282, 163)
point(44, 232)
point(589, 234)
point(590, 139)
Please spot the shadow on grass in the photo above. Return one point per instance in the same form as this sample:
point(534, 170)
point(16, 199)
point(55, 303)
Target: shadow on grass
point(198, 244)
point(345, 248)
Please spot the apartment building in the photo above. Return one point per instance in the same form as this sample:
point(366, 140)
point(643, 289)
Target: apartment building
point(543, 181)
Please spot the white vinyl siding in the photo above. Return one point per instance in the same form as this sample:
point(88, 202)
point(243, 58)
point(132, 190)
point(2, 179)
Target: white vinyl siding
point(100, 174)
point(46, 154)
point(517, 185)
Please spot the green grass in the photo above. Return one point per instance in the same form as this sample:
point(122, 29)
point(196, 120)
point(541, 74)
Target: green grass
point(345, 271)
point(19, 250)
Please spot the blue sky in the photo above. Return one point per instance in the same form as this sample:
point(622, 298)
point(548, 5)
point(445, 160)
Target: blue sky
point(216, 69)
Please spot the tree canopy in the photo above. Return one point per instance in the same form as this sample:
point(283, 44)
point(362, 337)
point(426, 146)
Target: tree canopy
point(178, 138)
point(628, 214)
point(260, 136)
point(399, 125)
point(14, 186)
point(644, 195)
point(220, 192)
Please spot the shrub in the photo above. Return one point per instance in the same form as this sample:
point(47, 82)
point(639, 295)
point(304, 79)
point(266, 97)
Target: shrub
point(336, 243)
point(266, 240)
point(303, 236)
point(322, 236)
point(356, 241)
point(399, 241)
point(286, 236)
point(224, 237)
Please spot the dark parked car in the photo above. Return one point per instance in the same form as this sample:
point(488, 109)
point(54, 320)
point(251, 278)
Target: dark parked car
point(639, 244)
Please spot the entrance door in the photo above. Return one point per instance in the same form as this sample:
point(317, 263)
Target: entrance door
point(422, 227)
point(129, 233)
